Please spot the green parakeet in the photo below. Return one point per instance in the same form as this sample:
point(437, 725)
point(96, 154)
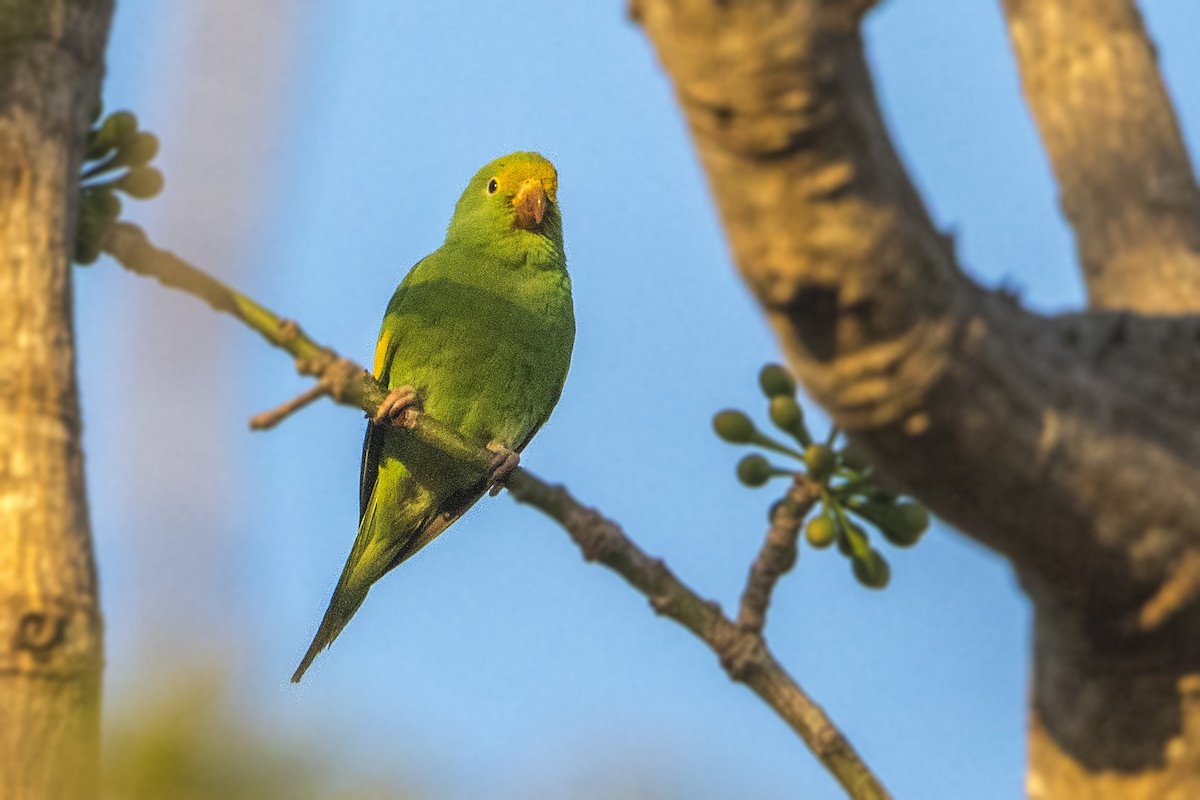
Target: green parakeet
point(479, 335)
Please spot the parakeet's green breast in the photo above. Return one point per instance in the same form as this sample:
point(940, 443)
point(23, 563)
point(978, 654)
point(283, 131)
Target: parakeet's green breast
point(483, 327)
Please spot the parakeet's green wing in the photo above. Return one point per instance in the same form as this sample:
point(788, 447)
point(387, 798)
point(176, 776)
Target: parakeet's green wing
point(369, 469)
point(395, 329)
point(373, 440)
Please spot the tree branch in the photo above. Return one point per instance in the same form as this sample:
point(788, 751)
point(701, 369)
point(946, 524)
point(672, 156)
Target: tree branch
point(778, 553)
point(743, 652)
point(991, 415)
point(1090, 75)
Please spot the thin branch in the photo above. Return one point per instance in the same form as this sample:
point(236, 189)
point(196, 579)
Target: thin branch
point(1090, 75)
point(345, 381)
point(271, 418)
point(743, 652)
point(778, 553)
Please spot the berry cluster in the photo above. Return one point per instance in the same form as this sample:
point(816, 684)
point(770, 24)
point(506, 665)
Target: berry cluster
point(114, 146)
point(851, 490)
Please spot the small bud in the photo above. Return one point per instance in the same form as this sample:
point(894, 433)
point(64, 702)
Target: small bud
point(102, 203)
point(820, 462)
point(114, 132)
point(776, 381)
point(734, 427)
point(141, 182)
point(881, 494)
point(855, 457)
point(754, 470)
point(140, 150)
point(901, 524)
point(786, 413)
point(905, 525)
point(883, 490)
point(872, 570)
point(86, 251)
point(821, 531)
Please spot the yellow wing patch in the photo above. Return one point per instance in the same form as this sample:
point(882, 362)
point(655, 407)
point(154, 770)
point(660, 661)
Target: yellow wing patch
point(381, 352)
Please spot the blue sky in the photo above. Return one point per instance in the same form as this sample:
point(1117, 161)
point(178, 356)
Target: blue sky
point(311, 156)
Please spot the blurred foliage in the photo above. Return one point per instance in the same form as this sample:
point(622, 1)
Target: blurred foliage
point(117, 161)
point(187, 741)
point(189, 738)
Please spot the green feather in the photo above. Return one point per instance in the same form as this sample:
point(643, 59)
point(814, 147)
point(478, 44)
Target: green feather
point(482, 328)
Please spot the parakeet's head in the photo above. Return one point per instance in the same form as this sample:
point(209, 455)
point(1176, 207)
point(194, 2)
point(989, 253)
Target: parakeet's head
point(511, 202)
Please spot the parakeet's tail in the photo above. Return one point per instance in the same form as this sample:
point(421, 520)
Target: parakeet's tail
point(341, 609)
point(351, 590)
point(384, 540)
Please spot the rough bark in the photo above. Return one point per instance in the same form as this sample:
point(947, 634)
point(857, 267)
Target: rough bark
point(50, 629)
point(1091, 78)
point(1116, 716)
point(1070, 445)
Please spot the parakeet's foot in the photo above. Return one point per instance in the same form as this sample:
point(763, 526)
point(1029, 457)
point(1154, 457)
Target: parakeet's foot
point(394, 406)
point(504, 461)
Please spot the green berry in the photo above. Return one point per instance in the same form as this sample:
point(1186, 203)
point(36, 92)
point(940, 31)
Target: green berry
point(855, 457)
point(776, 381)
point(141, 182)
point(117, 130)
point(123, 124)
point(901, 524)
point(786, 412)
point(102, 203)
point(821, 531)
point(754, 470)
point(734, 427)
point(141, 149)
point(880, 490)
point(820, 461)
point(871, 570)
point(905, 524)
point(86, 251)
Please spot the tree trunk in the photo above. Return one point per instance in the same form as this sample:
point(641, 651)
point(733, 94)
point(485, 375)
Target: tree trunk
point(1114, 717)
point(50, 627)
point(1070, 445)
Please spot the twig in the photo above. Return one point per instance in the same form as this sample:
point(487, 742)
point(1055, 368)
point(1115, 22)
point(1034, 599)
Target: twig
point(778, 553)
point(337, 380)
point(742, 651)
point(271, 418)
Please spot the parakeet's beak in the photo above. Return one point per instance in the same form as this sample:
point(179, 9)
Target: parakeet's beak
point(530, 204)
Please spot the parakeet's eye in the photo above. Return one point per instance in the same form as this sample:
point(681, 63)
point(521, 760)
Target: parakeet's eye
point(493, 186)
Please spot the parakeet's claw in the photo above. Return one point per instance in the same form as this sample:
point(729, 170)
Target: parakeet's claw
point(504, 461)
point(395, 406)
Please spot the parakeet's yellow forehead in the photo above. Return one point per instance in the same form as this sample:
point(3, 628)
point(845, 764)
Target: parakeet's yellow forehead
point(511, 172)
